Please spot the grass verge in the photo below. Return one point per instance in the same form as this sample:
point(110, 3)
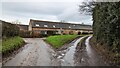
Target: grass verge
point(11, 44)
point(59, 40)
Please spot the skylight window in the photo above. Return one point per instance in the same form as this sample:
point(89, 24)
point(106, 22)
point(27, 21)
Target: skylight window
point(69, 27)
point(54, 26)
point(37, 25)
point(45, 26)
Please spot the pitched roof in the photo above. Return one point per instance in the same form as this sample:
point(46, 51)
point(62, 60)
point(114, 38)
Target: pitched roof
point(50, 24)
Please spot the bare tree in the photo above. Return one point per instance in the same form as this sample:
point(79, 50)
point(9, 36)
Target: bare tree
point(63, 21)
point(16, 22)
point(86, 7)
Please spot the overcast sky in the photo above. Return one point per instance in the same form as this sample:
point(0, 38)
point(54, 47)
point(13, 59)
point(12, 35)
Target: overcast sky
point(50, 10)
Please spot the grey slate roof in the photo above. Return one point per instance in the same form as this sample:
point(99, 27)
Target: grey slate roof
point(40, 23)
point(23, 27)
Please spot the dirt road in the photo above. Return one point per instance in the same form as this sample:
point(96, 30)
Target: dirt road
point(87, 56)
point(38, 53)
point(35, 53)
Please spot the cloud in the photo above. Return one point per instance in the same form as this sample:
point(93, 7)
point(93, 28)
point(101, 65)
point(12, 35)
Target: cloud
point(72, 14)
point(35, 7)
point(55, 11)
point(42, 0)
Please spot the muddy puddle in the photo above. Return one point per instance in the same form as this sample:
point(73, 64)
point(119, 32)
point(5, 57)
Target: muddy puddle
point(87, 56)
point(65, 57)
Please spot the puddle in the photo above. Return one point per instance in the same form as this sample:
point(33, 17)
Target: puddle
point(88, 47)
point(93, 58)
point(68, 59)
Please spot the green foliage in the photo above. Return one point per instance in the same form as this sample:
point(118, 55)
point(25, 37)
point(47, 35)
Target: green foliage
point(26, 34)
point(59, 40)
point(9, 30)
point(10, 44)
point(0, 30)
point(106, 24)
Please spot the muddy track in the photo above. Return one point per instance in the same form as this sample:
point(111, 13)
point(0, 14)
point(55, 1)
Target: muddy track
point(38, 53)
point(35, 53)
point(65, 55)
point(87, 56)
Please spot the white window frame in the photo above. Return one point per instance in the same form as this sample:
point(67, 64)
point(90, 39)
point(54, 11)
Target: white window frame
point(37, 25)
point(45, 25)
point(54, 26)
point(69, 27)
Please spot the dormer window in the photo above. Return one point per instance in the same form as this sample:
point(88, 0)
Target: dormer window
point(45, 26)
point(37, 25)
point(69, 27)
point(54, 26)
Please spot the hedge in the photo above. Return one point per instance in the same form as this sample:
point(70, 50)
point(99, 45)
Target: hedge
point(9, 30)
point(106, 24)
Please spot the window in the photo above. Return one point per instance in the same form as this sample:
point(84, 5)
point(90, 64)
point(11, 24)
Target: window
point(45, 26)
point(37, 25)
point(69, 27)
point(73, 25)
point(43, 32)
point(54, 26)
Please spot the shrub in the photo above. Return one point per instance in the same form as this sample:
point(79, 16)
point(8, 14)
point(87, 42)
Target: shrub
point(106, 26)
point(25, 34)
point(9, 30)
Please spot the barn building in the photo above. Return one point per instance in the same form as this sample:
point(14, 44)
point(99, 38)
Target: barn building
point(49, 27)
point(23, 27)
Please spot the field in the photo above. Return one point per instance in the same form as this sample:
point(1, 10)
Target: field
point(10, 44)
point(59, 40)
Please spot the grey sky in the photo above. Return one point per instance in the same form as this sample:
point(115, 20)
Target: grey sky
point(50, 10)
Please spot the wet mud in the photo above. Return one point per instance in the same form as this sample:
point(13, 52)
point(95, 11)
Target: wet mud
point(38, 53)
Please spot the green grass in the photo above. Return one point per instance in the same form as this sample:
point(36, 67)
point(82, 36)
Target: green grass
point(10, 44)
point(59, 40)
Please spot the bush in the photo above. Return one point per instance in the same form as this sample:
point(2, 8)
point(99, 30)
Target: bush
point(106, 26)
point(26, 34)
point(85, 33)
point(9, 30)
